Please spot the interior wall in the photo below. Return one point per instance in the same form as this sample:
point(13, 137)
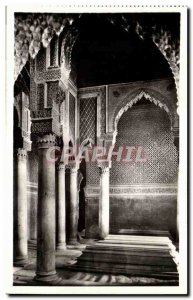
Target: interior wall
point(145, 125)
point(148, 126)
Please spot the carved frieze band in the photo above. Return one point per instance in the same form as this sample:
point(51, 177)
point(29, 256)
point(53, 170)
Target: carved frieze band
point(49, 75)
point(41, 114)
point(134, 190)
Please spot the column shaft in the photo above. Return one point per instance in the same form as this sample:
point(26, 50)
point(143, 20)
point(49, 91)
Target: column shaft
point(46, 212)
point(61, 243)
point(104, 203)
point(21, 250)
point(73, 207)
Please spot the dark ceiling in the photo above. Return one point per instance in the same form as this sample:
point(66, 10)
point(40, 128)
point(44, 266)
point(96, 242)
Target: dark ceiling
point(105, 53)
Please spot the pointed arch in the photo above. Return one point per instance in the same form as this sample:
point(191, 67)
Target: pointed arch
point(138, 97)
point(132, 98)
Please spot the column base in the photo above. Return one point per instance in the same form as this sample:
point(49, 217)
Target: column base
point(20, 261)
point(46, 279)
point(61, 246)
point(73, 242)
point(102, 236)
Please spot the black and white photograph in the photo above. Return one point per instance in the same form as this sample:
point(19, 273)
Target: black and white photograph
point(98, 104)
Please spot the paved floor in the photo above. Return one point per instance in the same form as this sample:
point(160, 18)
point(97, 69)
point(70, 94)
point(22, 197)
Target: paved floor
point(64, 259)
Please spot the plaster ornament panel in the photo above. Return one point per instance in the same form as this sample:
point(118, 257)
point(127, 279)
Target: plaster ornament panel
point(40, 60)
point(47, 119)
point(61, 95)
point(67, 46)
point(41, 126)
point(40, 97)
point(72, 106)
point(155, 91)
point(32, 85)
point(52, 92)
point(53, 51)
point(46, 126)
point(60, 100)
point(141, 95)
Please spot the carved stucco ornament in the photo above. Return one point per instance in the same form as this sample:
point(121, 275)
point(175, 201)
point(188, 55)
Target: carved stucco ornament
point(129, 104)
point(33, 30)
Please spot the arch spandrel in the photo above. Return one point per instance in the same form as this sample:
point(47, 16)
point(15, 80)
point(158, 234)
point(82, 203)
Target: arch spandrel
point(132, 97)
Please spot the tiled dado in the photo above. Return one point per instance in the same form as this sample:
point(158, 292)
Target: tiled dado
point(134, 190)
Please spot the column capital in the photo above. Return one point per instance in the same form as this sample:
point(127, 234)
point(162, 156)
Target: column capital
point(61, 166)
point(46, 141)
point(73, 167)
point(104, 169)
point(104, 166)
point(21, 154)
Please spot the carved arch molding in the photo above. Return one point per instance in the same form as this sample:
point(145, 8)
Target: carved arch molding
point(132, 98)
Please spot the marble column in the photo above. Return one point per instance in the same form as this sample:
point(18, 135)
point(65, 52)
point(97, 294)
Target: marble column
point(61, 207)
point(104, 202)
point(45, 270)
point(33, 217)
point(73, 206)
point(21, 249)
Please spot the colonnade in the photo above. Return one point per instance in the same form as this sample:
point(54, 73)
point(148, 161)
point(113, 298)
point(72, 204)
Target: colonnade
point(46, 210)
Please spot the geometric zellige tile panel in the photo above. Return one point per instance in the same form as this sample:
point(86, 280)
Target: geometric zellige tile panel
point(148, 126)
point(92, 173)
point(88, 118)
